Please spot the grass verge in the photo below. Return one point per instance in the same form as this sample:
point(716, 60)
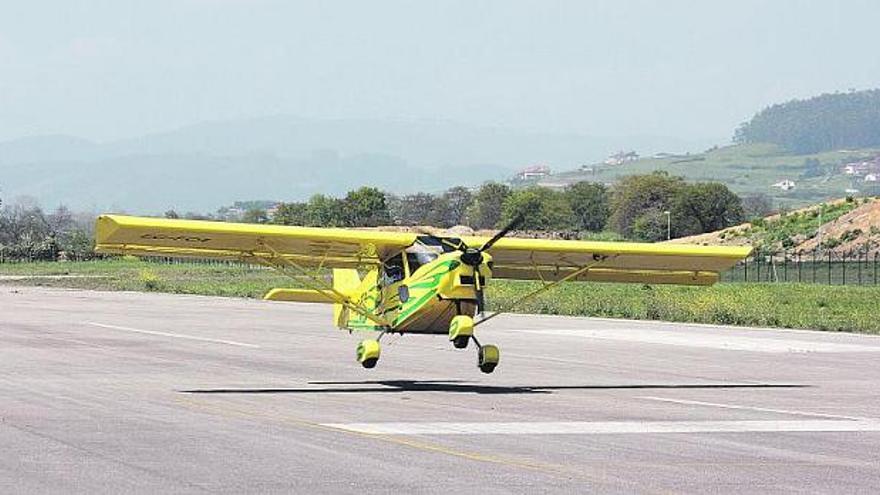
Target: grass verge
point(819, 307)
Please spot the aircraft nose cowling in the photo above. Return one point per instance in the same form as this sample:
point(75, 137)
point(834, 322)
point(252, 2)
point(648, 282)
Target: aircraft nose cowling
point(472, 257)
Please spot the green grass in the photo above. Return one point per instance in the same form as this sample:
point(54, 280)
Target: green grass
point(746, 169)
point(820, 307)
point(135, 275)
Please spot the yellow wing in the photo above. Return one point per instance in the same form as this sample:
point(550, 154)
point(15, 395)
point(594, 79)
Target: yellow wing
point(307, 246)
point(550, 260)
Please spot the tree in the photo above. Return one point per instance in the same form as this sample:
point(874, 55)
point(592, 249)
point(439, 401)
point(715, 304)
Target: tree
point(255, 215)
point(171, 214)
point(453, 206)
point(642, 195)
point(414, 209)
point(486, 208)
point(589, 205)
point(542, 209)
point(291, 214)
point(25, 232)
point(706, 207)
point(757, 206)
point(194, 215)
point(324, 211)
point(366, 207)
point(651, 225)
point(825, 122)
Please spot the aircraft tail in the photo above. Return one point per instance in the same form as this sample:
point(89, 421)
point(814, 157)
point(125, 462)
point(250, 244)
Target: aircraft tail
point(346, 281)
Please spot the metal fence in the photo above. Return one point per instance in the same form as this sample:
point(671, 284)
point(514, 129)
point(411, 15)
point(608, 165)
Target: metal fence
point(858, 267)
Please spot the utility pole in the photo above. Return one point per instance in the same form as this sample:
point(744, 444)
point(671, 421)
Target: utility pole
point(668, 224)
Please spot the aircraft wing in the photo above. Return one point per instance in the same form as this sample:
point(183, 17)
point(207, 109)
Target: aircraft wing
point(549, 260)
point(307, 246)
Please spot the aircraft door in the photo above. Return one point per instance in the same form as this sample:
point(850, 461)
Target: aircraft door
point(393, 273)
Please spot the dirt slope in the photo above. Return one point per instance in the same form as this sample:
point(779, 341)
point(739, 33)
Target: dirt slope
point(853, 226)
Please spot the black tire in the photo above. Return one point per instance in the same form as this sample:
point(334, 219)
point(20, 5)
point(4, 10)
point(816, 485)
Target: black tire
point(488, 368)
point(461, 342)
point(370, 363)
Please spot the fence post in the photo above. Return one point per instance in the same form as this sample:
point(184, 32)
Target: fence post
point(785, 266)
point(859, 265)
point(829, 267)
point(757, 269)
point(843, 265)
point(814, 265)
point(746, 269)
point(799, 266)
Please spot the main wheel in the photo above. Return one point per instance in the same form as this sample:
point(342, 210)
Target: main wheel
point(368, 352)
point(487, 358)
point(461, 328)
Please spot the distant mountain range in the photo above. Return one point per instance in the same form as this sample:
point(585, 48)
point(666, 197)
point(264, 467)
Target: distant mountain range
point(204, 166)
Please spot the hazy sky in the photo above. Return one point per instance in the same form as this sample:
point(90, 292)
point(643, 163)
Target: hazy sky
point(112, 69)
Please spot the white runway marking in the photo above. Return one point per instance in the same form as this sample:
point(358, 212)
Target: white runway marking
point(607, 427)
point(758, 409)
point(710, 341)
point(173, 335)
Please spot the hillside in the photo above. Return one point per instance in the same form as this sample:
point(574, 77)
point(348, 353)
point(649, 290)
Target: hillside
point(840, 226)
point(204, 166)
point(826, 122)
point(747, 169)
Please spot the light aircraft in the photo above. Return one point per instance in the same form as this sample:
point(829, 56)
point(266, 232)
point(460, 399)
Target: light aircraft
point(406, 283)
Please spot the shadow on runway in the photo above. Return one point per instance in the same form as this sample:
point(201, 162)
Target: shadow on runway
point(396, 386)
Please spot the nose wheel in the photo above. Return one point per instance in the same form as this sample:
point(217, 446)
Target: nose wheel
point(368, 352)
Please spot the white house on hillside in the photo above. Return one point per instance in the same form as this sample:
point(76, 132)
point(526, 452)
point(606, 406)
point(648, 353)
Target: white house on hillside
point(785, 185)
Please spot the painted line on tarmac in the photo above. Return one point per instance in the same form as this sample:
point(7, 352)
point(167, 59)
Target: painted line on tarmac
point(608, 427)
point(758, 409)
point(173, 335)
point(708, 341)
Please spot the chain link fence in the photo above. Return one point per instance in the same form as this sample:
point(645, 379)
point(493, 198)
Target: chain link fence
point(856, 267)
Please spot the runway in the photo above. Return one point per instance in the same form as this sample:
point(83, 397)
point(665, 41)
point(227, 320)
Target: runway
point(144, 393)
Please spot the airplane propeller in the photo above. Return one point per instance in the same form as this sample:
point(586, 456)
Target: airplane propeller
point(474, 256)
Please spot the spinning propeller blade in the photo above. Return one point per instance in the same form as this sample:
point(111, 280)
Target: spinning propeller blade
point(503, 232)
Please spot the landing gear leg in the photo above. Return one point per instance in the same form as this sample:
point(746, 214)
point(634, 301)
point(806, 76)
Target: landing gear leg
point(487, 356)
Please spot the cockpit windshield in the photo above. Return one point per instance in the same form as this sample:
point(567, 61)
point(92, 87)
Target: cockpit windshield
point(426, 249)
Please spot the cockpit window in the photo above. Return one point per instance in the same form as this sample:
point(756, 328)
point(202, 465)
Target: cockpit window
point(392, 270)
point(415, 260)
point(426, 249)
point(444, 244)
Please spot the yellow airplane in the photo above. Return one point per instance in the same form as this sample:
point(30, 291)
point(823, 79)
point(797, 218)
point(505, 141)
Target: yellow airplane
point(406, 283)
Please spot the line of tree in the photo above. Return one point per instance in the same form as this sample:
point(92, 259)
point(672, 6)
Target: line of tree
point(27, 233)
point(822, 123)
point(639, 207)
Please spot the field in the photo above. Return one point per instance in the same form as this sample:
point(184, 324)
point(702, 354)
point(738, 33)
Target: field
point(746, 169)
point(785, 305)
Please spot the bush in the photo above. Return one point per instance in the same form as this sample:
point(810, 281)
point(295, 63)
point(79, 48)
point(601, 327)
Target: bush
point(149, 279)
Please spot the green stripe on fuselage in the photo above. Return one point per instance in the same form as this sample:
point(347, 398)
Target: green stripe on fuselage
point(429, 283)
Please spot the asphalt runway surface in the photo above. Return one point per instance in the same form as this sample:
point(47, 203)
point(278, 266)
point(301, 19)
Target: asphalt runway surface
point(151, 393)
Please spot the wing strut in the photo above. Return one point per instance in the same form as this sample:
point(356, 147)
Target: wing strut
point(282, 264)
point(545, 287)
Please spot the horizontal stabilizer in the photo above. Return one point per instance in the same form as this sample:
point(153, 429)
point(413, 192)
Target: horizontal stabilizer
point(297, 295)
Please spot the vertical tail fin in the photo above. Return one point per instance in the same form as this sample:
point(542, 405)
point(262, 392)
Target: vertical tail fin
point(346, 281)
